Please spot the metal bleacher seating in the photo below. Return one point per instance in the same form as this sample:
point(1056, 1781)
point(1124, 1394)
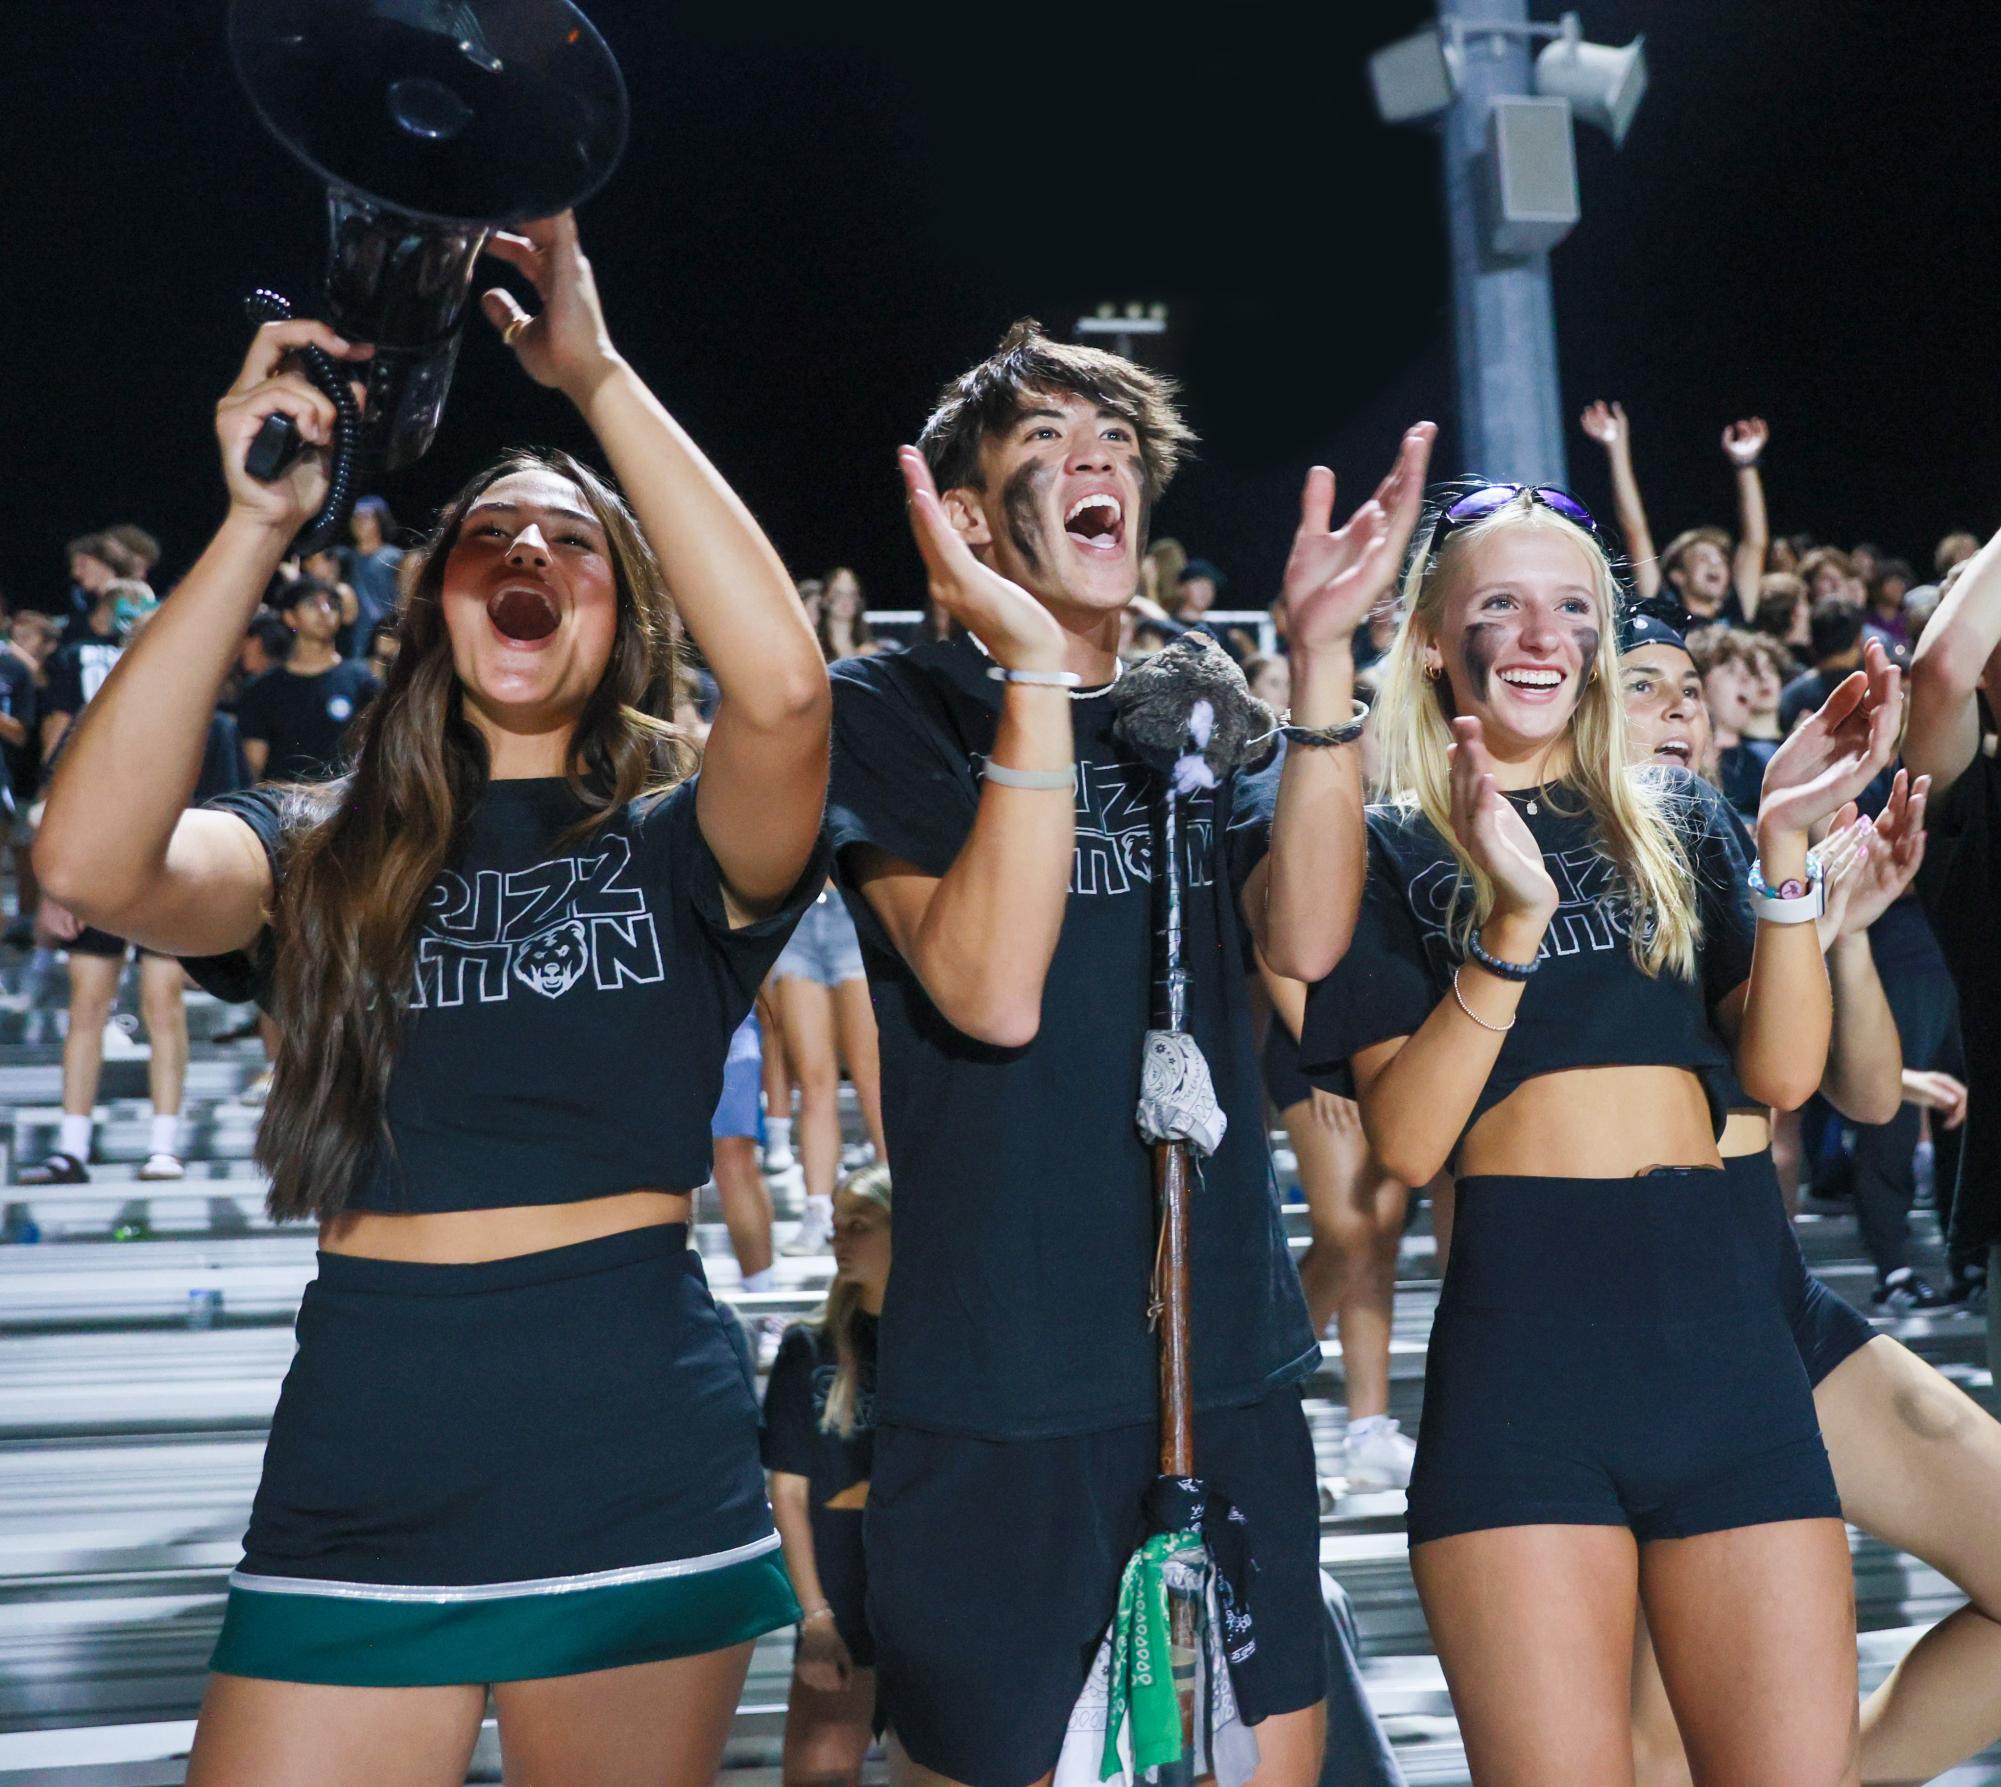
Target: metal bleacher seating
point(130, 1438)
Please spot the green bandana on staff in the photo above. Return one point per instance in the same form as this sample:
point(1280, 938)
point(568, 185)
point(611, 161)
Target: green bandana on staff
point(1142, 1684)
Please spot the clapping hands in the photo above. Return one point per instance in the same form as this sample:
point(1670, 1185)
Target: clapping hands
point(1334, 577)
point(1836, 753)
point(1494, 835)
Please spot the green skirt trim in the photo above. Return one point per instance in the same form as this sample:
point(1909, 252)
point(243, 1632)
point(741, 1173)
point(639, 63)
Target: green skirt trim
point(295, 1630)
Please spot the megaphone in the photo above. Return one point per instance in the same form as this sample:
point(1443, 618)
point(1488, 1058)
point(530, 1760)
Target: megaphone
point(433, 123)
point(1603, 82)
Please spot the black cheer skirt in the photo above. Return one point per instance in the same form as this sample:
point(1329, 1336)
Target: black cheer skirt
point(526, 1467)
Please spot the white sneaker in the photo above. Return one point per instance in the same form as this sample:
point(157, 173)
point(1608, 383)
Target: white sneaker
point(257, 1092)
point(163, 1166)
point(815, 1231)
point(779, 1160)
point(1377, 1455)
point(120, 1044)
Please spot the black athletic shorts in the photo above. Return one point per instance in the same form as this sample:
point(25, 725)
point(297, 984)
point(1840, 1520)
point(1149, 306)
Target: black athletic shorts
point(1825, 1328)
point(1285, 1082)
point(1613, 1352)
point(90, 941)
point(994, 1565)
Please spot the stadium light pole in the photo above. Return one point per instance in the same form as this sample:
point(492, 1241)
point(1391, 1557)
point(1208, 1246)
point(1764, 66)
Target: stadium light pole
point(1503, 305)
point(1510, 176)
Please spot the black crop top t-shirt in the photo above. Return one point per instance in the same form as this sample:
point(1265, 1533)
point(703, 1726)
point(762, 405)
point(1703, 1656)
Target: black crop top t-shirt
point(571, 1004)
point(795, 1403)
point(1590, 1004)
point(1024, 1193)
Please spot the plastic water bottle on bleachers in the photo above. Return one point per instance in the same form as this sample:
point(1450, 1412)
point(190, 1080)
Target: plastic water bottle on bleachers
point(205, 1296)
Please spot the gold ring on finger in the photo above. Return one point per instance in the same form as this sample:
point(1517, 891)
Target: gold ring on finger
point(513, 329)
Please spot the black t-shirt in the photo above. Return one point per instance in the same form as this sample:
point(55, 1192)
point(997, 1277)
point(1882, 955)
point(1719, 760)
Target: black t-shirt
point(795, 1401)
point(793, 1441)
point(77, 672)
point(303, 719)
point(571, 1004)
point(19, 699)
point(1960, 885)
point(1590, 1004)
point(1024, 1194)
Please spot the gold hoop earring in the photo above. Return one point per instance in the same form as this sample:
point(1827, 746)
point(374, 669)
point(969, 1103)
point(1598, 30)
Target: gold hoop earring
point(1432, 672)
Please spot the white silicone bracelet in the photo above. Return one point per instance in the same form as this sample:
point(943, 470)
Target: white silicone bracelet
point(1036, 679)
point(1066, 779)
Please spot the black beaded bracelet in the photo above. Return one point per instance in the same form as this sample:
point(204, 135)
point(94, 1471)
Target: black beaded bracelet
point(1318, 737)
point(1506, 970)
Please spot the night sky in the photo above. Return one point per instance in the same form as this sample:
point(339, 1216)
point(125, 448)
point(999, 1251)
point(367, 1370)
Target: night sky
point(817, 222)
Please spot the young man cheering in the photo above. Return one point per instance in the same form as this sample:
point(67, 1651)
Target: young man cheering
point(994, 844)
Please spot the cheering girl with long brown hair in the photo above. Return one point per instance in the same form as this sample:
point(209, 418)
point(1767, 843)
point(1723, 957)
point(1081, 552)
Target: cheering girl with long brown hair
point(505, 952)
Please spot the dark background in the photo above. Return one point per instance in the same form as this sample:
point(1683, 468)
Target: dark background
point(816, 223)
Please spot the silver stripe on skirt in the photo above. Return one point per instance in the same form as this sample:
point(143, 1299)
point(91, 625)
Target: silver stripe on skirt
point(502, 1591)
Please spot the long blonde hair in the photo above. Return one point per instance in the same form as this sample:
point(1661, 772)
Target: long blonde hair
point(843, 1305)
point(1629, 804)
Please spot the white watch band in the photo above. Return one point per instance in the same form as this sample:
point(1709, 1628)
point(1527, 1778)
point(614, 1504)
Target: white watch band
point(1772, 910)
point(1802, 908)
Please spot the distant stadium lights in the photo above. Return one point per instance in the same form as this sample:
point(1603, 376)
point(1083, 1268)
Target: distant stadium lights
point(1418, 77)
point(1125, 320)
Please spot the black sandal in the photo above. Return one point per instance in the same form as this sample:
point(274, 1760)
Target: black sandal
point(58, 1169)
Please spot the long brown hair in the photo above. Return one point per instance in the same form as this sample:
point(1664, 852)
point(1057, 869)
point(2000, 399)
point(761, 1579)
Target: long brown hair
point(860, 634)
point(361, 852)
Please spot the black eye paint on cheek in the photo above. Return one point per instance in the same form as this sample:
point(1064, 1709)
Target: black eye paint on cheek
point(1021, 498)
point(1481, 649)
point(1587, 649)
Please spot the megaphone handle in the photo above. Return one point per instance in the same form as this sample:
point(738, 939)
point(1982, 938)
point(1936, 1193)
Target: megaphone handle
point(278, 442)
point(271, 454)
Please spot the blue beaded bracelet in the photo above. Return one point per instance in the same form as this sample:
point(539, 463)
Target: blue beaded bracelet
point(1506, 970)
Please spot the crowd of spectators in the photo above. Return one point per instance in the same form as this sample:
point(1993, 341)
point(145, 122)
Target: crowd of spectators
point(1775, 621)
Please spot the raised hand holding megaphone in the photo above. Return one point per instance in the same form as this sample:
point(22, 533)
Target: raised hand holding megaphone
point(434, 123)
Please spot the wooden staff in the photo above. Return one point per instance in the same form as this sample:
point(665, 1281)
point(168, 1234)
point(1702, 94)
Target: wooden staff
point(1170, 1183)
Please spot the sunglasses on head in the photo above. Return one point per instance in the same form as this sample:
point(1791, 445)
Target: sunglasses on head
point(1490, 499)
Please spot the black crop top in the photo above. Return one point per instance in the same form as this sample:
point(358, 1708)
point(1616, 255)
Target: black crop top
point(571, 1005)
point(1590, 1004)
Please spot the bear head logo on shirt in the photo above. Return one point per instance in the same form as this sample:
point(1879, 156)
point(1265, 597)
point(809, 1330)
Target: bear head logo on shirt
point(554, 961)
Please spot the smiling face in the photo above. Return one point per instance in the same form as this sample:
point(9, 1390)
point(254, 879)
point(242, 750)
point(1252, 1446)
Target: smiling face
point(1519, 631)
point(1702, 574)
point(1666, 721)
point(530, 599)
point(1062, 510)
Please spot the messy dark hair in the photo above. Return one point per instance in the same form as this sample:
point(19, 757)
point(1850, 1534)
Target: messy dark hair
point(984, 402)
